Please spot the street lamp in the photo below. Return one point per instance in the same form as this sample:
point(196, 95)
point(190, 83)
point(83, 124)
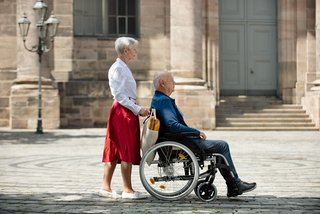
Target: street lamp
point(45, 28)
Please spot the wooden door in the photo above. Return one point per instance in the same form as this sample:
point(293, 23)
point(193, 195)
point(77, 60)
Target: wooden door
point(248, 47)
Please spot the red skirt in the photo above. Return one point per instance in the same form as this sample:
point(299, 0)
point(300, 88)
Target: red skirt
point(122, 141)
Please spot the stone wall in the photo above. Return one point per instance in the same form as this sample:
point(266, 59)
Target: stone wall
point(6, 80)
point(8, 61)
point(81, 65)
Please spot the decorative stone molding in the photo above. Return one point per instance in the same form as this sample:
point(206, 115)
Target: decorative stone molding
point(316, 86)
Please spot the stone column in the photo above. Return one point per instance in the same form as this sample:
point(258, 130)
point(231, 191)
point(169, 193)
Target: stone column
point(186, 38)
point(24, 92)
point(310, 75)
point(311, 102)
point(318, 39)
point(302, 49)
point(287, 49)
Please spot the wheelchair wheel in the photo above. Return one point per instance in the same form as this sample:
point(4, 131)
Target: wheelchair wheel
point(196, 188)
point(206, 192)
point(169, 171)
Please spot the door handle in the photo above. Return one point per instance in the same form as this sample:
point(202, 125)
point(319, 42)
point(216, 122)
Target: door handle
point(251, 71)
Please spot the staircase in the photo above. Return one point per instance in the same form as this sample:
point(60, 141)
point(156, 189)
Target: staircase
point(261, 113)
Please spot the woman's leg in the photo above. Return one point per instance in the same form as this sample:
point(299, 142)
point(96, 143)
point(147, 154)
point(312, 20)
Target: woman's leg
point(109, 168)
point(126, 170)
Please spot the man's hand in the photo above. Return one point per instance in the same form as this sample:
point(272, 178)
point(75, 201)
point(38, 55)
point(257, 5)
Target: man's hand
point(203, 136)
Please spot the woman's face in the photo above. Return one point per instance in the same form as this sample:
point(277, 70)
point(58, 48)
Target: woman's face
point(131, 53)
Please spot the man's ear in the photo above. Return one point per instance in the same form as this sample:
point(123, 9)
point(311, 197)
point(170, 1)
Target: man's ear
point(162, 83)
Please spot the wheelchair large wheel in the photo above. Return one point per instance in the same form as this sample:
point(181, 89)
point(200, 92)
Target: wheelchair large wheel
point(169, 171)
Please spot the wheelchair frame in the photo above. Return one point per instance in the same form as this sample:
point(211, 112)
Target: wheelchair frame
point(170, 171)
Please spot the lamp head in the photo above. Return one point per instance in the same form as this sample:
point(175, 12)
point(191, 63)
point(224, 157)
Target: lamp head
point(52, 25)
point(40, 8)
point(24, 25)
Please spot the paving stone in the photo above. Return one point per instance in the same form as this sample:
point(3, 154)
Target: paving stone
point(61, 171)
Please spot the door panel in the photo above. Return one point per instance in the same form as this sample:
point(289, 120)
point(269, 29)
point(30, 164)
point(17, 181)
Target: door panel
point(232, 57)
point(261, 57)
point(232, 10)
point(263, 10)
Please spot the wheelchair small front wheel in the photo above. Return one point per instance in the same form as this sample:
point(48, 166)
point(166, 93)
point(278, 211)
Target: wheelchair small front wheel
point(198, 184)
point(206, 192)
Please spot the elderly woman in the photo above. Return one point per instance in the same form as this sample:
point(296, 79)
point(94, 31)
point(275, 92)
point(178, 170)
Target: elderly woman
point(122, 143)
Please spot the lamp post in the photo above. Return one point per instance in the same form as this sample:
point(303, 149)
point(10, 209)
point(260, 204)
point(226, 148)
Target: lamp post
point(45, 29)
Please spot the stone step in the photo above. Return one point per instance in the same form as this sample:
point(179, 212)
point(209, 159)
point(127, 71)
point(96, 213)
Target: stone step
point(302, 128)
point(250, 99)
point(261, 113)
point(266, 124)
point(264, 119)
point(258, 106)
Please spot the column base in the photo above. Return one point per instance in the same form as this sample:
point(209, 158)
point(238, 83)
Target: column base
point(24, 104)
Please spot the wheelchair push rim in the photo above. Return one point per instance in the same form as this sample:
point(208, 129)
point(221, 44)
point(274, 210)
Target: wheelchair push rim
point(169, 171)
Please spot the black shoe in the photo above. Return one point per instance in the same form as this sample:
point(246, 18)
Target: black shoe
point(239, 188)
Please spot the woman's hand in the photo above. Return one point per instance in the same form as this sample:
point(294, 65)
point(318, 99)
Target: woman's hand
point(144, 112)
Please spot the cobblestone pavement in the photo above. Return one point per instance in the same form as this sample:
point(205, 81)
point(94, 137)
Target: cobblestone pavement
point(60, 172)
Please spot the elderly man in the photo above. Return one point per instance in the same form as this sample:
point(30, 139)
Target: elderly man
point(172, 122)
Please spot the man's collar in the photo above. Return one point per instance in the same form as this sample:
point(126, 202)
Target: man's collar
point(159, 92)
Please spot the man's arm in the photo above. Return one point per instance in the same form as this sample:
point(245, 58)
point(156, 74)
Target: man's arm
point(169, 117)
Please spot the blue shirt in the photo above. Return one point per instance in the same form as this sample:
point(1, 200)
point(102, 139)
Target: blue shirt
point(171, 119)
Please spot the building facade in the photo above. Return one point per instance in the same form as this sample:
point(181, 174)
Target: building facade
point(214, 48)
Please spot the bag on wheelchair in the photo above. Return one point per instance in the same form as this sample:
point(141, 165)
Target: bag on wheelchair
point(149, 134)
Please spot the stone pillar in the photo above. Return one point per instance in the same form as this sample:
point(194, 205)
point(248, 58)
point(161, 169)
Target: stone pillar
point(287, 49)
point(311, 102)
point(186, 38)
point(64, 41)
point(310, 75)
point(301, 53)
point(27, 62)
point(317, 39)
point(212, 48)
point(24, 92)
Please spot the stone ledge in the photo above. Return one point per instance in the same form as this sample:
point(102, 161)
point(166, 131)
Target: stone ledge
point(32, 80)
point(7, 75)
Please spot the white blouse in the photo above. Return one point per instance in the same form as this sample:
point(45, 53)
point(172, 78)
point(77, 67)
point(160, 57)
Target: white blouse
point(123, 86)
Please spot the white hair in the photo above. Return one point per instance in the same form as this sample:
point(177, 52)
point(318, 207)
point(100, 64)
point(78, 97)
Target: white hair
point(122, 43)
point(159, 76)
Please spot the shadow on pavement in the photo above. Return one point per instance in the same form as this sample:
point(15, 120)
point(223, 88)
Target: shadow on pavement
point(29, 137)
point(91, 203)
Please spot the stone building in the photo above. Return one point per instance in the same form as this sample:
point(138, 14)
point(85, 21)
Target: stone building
point(251, 52)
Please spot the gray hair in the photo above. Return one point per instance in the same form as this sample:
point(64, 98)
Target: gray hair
point(159, 76)
point(124, 42)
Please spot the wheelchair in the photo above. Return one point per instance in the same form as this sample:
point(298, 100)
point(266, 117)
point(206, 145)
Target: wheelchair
point(172, 168)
